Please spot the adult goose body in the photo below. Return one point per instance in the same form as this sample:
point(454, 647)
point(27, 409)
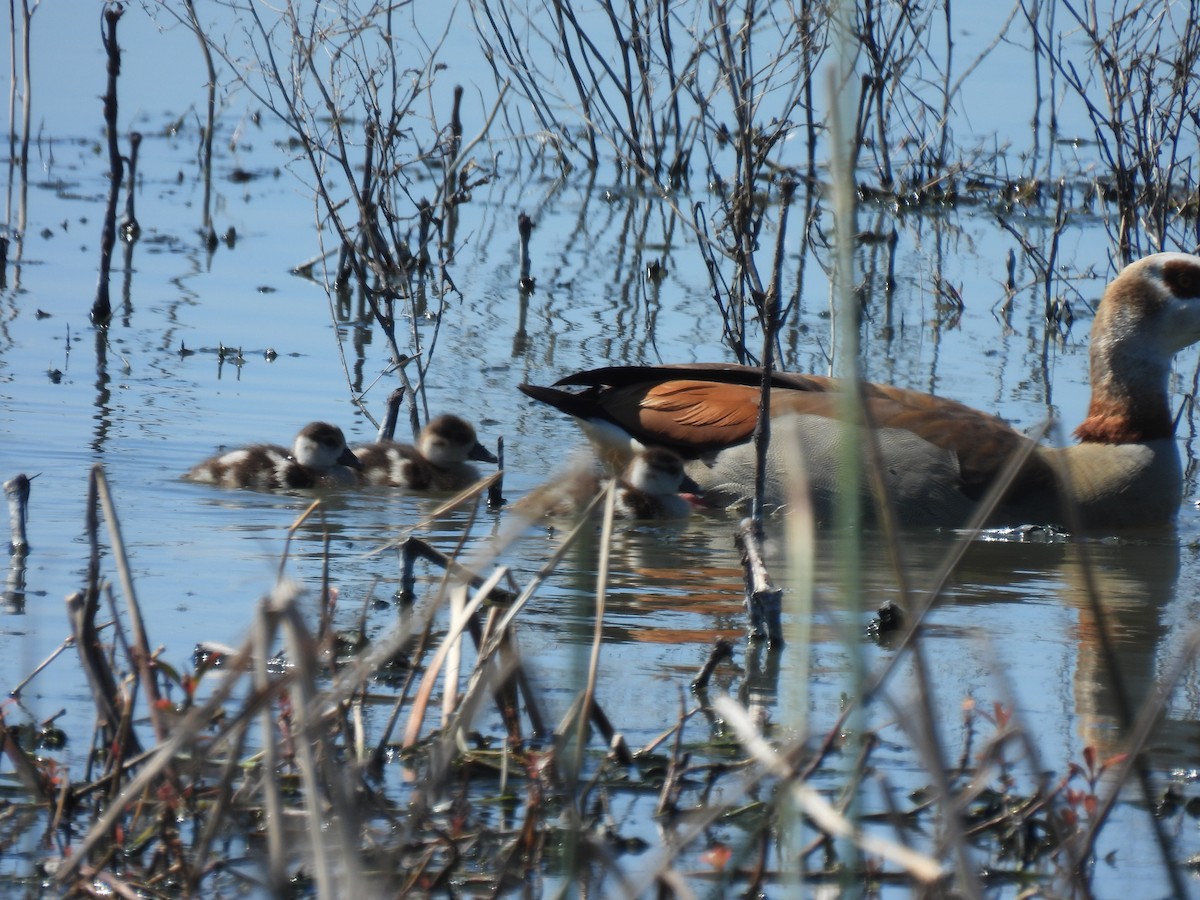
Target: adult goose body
point(939, 457)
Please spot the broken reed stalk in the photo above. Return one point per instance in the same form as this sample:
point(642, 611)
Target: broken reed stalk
point(206, 135)
point(54, 654)
point(102, 306)
point(82, 607)
point(142, 658)
point(668, 797)
point(16, 489)
point(495, 494)
point(387, 429)
point(525, 280)
point(291, 532)
point(764, 601)
point(721, 651)
point(130, 229)
point(589, 690)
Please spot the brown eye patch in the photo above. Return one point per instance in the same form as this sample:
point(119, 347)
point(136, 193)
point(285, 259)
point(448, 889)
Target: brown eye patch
point(1183, 278)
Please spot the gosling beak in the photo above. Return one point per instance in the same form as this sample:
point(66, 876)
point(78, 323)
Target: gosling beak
point(482, 454)
point(349, 459)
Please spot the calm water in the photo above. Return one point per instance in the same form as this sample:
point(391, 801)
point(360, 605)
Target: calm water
point(1013, 627)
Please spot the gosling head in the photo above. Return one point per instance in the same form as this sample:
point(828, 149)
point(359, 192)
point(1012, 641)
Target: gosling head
point(321, 447)
point(656, 470)
point(448, 440)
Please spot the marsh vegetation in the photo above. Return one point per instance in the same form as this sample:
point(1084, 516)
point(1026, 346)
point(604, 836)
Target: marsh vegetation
point(758, 184)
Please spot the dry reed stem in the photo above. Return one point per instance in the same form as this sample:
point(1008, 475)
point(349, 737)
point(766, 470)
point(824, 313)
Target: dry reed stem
point(16, 489)
point(81, 613)
point(291, 532)
point(421, 701)
point(141, 650)
point(40, 667)
point(764, 601)
point(157, 760)
point(668, 796)
point(32, 777)
point(457, 600)
point(721, 651)
point(920, 866)
point(593, 667)
point(415, 548)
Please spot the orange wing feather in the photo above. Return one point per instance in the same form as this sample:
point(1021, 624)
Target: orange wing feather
point(698, 408)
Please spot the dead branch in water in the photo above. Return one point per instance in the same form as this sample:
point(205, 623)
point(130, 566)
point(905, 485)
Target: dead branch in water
point(16, 490)
point(102, 306)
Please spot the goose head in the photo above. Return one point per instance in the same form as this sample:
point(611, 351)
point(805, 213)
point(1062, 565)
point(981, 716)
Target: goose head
point(1149, 312)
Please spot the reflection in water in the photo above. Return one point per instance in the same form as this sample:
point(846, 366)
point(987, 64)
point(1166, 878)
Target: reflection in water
point(1133, 586)
point(1135, 582)
point(104, 413)
point(1010, 592)
point(13, 600)
point(669, 583)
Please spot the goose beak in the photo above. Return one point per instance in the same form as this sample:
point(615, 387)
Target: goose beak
point(349, 459)
point(692, 492)
point(482, 454)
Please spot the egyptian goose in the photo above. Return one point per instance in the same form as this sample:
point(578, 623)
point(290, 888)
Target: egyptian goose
point(938, 456)
point(319, 458)
point(439, 462)
point(648, 489)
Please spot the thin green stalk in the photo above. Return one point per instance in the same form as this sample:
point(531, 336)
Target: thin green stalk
point(847, 510)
